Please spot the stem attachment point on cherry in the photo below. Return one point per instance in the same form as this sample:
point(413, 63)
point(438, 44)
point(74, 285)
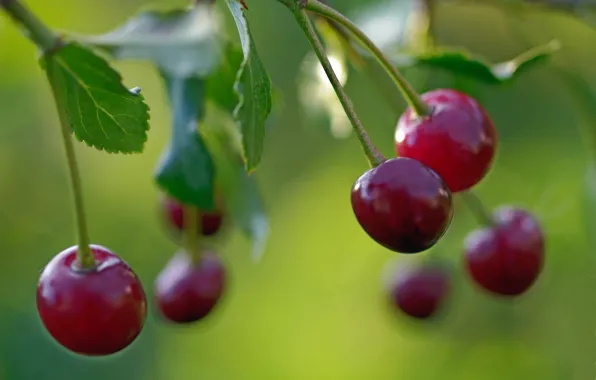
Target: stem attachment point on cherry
point(477, 208)
point(191, 226)
point(410, 95)
point(373, 155)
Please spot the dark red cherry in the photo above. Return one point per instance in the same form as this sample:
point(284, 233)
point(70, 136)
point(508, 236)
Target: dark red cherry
point(91, 312)
point(420, 291)
point(508, 257)
point(186, 291)
point(458, 140)
point(403, 205)
point(208, 222)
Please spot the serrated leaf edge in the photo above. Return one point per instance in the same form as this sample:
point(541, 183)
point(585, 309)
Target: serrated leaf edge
point(145, 124)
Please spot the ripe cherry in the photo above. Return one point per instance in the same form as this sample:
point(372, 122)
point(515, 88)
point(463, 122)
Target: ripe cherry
point(420, 291)
point(91, 312)
point(403, 205)
point(186, 291)
point(458, 140)
point(209, 222)
point(508, 257)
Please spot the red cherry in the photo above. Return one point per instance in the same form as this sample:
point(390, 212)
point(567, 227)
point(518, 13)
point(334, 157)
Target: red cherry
point(508, 257)
point(186, 291)
point(91, 312)
point(209, 222)
point(420, 291)
point(403, 205)
point(458, 140)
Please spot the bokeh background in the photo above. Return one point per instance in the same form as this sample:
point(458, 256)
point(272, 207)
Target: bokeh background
point(314, 307)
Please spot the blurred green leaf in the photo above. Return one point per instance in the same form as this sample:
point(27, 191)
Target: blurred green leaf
point(220, 84)
point(253, 87)
point(100, 110)
point(179, 42)
point(243, 199)
point(464, 63)
point(186, 171)
point(584, 99)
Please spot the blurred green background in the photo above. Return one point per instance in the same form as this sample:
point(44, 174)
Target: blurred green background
point(314, 308)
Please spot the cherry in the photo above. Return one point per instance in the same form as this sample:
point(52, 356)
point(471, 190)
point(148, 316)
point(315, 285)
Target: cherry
point(420, 291)
point(92, 312)
point(458, 140)
point(403, 205)
point(209, 222)
point(186, 291)
point(508, 257)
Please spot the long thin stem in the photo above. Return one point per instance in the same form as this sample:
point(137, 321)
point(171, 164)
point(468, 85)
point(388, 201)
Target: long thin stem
point(385, 88)
point(191, 228)
point(84, 255)
point(37, 31)
point(411, 96)
point(372, 154)
point(477, 208)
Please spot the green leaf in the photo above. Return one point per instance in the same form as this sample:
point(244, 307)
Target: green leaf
point(253, 87)
point(583, 98)
point(181, 43)
point(220, 84)
point(186, 171)
point(464, 63)
point(100, 110)
point(243, 199)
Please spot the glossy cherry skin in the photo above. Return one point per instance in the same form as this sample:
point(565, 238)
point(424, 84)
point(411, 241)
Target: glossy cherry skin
point(185, 291)
point(420, 291)
point(507, 258)
point(403, 205)
point(208, 222)
point(458, 139)
point(91, 312)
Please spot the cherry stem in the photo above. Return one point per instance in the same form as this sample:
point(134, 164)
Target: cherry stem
point(477, 208)
point(358, 60)
point(84, 255)
point(36, 30)
point(408, 92)
point(48, 41)
point(375, 158)
point(191, 228)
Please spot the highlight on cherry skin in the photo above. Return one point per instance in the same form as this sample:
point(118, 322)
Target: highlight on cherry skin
point(187, 291)
point(403, 205)
point(94, 312)
point(420, 290)
point(209, 222)
point(458, 139)
point(506, 258)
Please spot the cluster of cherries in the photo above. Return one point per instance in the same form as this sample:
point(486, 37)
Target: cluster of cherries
point(101, 310)
point(405, 204)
